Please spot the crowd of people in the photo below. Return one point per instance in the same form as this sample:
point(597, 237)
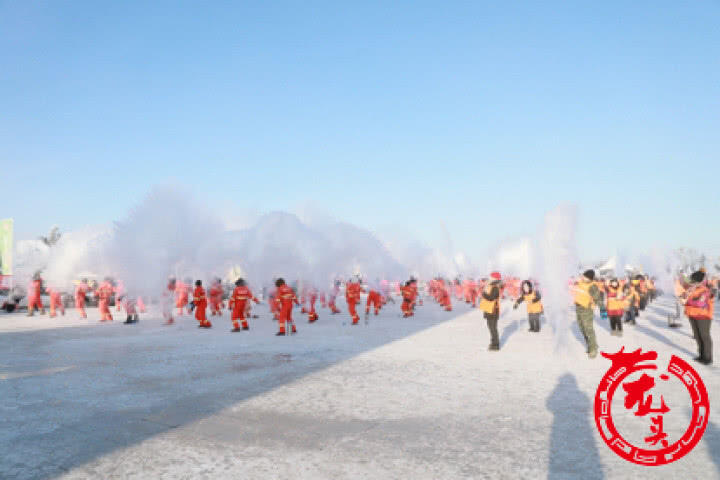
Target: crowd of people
point(618, 301)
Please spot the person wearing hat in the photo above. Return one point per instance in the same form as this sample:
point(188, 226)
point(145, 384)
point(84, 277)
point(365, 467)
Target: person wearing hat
point(699, 305)
point(586, 297)
point(490, 305)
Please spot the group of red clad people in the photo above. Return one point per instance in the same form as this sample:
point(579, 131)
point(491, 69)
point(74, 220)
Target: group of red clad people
point(104, 292)
point(281, 301)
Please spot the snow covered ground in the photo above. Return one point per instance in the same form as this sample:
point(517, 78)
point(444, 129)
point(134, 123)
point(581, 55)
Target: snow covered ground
point(398, 398)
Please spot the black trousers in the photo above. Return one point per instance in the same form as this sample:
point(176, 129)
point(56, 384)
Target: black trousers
point(701, 330)
point(534, 320)
point(492, 321)
point(616, 322)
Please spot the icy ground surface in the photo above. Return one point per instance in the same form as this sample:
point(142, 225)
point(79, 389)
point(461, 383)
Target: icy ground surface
point(398, 398)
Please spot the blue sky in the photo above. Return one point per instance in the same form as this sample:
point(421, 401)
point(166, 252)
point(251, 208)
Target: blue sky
point(396, 115)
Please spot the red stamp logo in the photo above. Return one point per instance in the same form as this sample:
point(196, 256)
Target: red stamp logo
point(656, 448)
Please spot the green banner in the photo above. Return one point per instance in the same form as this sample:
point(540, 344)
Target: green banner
point(6, 246)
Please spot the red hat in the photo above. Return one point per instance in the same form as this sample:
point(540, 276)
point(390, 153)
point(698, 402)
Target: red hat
point(495, 275)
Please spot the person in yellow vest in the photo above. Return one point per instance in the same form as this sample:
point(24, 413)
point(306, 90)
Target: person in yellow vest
point(587, 296)
point(490, 305)
point(652, 290)
point(616, 303)
point(531, 297)
point(699, 305)
point(634, 298)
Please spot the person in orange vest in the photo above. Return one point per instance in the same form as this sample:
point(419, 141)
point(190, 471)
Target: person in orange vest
point(34, 298)
point(238, 304)
point(352, 297)
point(104, 293)
point(285, 298)
point(490, 305)
point(55, 302)
point(616, 302)
point(699, 306)
point(586, 296)
point(168, 301)
point(534, 306)
point(216, 294)
point(199, 304)
point(81, 290)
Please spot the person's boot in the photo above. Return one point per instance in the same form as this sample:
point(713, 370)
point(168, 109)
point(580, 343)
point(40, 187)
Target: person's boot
point(246, 328)
point(493, 348)
point(280, 334)
point(592, 353)
point(236, 329)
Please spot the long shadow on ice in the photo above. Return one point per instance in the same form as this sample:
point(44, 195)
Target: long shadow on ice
point(662, 338)
point(508, 331)
point(125, 384)
point(712, 438)
point(573, 451)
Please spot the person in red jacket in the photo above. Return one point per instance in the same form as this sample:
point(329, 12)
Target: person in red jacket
point(238, 304)
point(444, 296)
point(104, 293)
point(216, 294)
point(407, 294)
point(55, 302)
point(200, 305)
point(374, 298)
point(352, 297)
point(81, 291)
point(34, 299)
point(285, 298)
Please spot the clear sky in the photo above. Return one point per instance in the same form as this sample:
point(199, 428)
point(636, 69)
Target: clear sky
point(481, 115)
